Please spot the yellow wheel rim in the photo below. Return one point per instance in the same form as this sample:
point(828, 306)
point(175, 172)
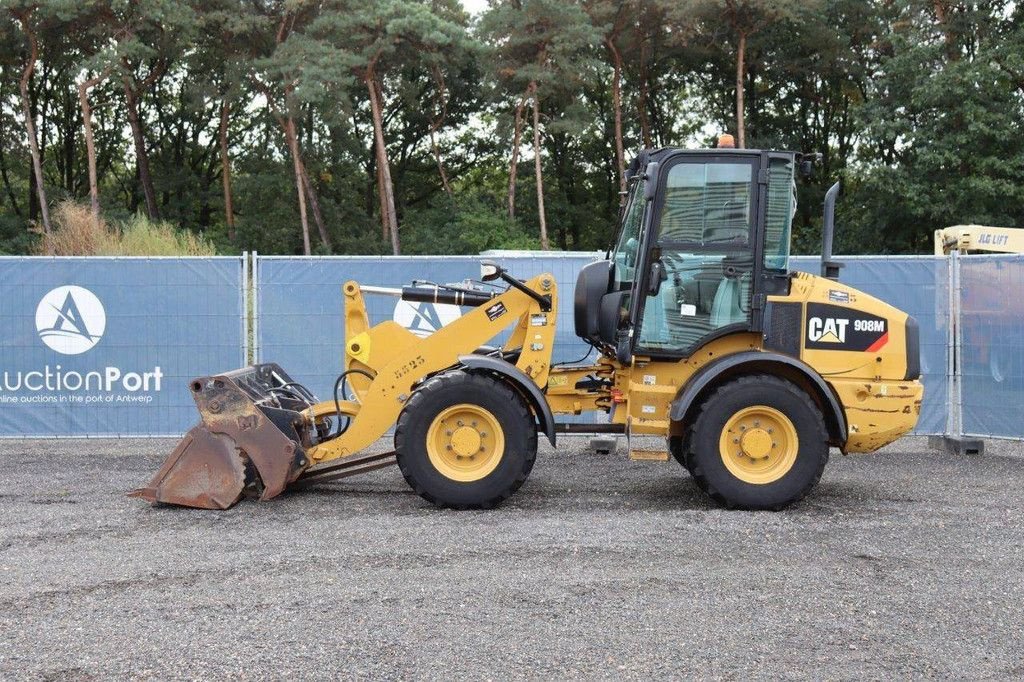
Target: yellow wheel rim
point(759, 445)
point(465, 442)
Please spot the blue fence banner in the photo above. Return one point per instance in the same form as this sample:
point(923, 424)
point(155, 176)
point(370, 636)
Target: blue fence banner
point(301, 322)
point(919, 286)
point(106, 346)
point(300, 307)
point(991, 345)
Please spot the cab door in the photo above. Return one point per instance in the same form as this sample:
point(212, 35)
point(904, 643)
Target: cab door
point(701, 265)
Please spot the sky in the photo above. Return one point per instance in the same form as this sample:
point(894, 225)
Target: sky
point(474, 6)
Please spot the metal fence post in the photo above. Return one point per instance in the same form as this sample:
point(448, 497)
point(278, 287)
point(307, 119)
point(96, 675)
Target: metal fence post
point(954, 440)
point(951, 366)
point(244, 313)
point(958, 344)
point(255, 319)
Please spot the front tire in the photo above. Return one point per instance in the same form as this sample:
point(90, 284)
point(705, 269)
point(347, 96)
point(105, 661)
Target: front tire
point(758, 442)
point(466, 441)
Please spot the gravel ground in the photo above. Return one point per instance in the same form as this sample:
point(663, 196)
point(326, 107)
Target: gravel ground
point(905, 563)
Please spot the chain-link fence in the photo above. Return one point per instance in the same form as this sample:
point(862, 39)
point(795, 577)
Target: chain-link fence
point(990, 345)
point(919, 286)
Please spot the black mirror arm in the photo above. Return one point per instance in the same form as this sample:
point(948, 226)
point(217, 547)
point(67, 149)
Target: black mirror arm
point(543, 299)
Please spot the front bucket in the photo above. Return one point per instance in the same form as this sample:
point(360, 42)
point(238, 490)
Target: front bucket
point(204, 471)
point(251, 438)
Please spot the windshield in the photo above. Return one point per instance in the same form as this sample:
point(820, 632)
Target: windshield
point(627, 249)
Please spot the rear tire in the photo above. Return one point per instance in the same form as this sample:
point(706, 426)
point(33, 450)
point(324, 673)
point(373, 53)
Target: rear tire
point(679, 453)
point(466, 441)
point(758, 442)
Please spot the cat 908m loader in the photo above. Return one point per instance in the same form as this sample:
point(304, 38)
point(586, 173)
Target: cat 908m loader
point(748, 371)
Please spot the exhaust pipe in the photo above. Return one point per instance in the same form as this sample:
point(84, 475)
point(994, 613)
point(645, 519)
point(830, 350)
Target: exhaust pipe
point(829, 267)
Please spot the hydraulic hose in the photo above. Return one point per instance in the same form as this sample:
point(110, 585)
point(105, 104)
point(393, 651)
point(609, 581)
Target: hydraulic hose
point(337, 404)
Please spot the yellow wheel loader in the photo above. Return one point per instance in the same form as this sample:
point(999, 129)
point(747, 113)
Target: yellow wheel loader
point(747, 371)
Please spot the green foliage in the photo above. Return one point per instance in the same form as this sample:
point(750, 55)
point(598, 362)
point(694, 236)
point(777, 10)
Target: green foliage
point(917, 105)
point(469, 226)
point(76, 233)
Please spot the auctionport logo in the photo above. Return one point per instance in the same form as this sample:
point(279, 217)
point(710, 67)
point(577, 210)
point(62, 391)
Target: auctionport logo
point(70, 320)
point(423, 319)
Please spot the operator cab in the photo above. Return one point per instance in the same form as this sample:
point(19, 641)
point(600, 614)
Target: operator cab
point(704, 238)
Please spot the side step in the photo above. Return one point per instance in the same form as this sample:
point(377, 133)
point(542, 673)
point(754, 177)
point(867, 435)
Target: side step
point(348, 466)
point(644, 455)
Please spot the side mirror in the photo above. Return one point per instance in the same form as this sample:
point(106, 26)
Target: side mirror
point(806, 163)
point(613, 310)
point(651, 180)
point(656, 276)
point(489, 270)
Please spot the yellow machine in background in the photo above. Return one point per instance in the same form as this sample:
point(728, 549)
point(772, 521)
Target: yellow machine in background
point(978, 239)
point(749, 372)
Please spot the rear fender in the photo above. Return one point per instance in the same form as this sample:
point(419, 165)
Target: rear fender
point(711, 375)
point(522, 383)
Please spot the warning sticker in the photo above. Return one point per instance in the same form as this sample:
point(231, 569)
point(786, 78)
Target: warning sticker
point(495, 311)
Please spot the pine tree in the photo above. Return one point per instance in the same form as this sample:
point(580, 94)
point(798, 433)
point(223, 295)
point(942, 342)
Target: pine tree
point(540, 48)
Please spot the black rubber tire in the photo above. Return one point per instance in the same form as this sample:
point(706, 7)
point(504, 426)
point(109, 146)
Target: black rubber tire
point(710, 472)
point(679, 453)
point(501, 400)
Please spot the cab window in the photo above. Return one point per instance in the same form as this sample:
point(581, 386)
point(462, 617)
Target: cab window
point(706, 256)
point(707, 203)
point(779, 214)
point(627, 248)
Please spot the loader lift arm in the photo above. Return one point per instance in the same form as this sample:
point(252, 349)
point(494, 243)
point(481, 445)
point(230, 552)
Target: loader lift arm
point(399, 360)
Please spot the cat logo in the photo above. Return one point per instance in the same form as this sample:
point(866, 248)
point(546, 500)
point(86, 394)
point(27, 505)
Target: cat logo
point(833, 327)
point(827, 330)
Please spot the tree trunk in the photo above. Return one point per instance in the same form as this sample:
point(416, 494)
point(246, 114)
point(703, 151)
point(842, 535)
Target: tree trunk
point(741, 132)
point(293, 147)
point(314, 203)
point(388, 191)
point(641, 108)
point(435, 125)
point(942, 10)
point(90, 143)
point(382, 199)
point(30, 125)
point(537, 168)
point(141, 157)
point(620, 154)
point(440, 166)
point(225, 169)
point(68, 134)
point(513, 164)
point(7, 183)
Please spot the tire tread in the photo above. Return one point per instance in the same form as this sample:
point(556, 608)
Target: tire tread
point(700, 475)
point(423, 396)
